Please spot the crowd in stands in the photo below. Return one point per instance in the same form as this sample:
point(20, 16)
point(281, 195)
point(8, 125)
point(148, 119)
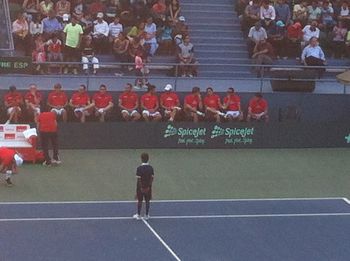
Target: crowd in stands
point(150, 106)
point(79, 31)
point(285, 28)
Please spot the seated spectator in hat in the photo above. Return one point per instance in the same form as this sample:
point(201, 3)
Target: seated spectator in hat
point(282, 11)
point(187, 58)
point(13, 101)
point(39, 53)
point(102, 102)
point(62, 7)
point(159, 11)
point(115, 28)
point(121, 49)
point(150, 38)
point(327, 14)
point(97, 7)
point(174, 10)
point(166, 39)
point(267, 14)
point(57, 101)
point(313, 55)
point(314, 11)
point(251, 15)
point(255, 35)
point(80, 103)
point(300, 12)
point(54, 51)
point(212, 106)
point(100, 34)
point(51, 25)
point(258, 108)
point(232, 105)
point(193, 105)
point(170, 103)
point(277, 38)
point(294, 38)
point(129, 104)
point(78, 9)
point(150, 105)
point(88, 55)
point(310, 31)
point(46, 7)
point(263, 54)
point(32, 101)
point(20, 33)
point(338, 39)
point(180, 28)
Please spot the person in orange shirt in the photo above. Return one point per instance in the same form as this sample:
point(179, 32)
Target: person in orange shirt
point(193, 105)
point(13, 101)
point(150, 105)
point(32, 100)
point(212, 105)
point(258, 108)
point(169, 101)
point(232, 105)
point(57, 101)
point(102, 101)
point(9, 160)
point(80, 102)
point(129, 103)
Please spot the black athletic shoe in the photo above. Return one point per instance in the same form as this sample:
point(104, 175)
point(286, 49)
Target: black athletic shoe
point(8, 182)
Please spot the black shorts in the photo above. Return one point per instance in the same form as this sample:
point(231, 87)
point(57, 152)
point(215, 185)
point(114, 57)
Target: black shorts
point(141, 195)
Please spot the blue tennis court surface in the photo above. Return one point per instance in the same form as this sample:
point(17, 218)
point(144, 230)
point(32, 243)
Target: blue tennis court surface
point(271, 229)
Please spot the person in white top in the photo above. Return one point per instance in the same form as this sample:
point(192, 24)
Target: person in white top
point(151, 41)
point(267, 14)
point(20, 30)
point(313, 55)
point(115, 28)
point(310, 31)
point(100, 34)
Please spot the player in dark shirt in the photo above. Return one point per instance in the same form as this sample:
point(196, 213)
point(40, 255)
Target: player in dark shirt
point(144, 175)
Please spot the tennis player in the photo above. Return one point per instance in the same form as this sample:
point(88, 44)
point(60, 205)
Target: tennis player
point(144, 175)
point(9, 160)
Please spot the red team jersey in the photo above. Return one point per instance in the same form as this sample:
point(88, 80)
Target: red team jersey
point(212, 101)
point(13, 99)
point(80, 99)
point(192, 100)
point(233, 102)
point(128, 100)
point(149, 101)
point(6, 156)
point(57, 98)
point(31, 97)
point(102, 100)
point(257, 106)
point(47, 122)
point(169, 99)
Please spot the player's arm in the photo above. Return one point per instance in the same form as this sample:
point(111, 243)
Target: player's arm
point(121, 105)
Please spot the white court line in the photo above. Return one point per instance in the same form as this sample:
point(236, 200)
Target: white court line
point(165, 201)
point(178, 217)
point(346, 200)
point(161, 240)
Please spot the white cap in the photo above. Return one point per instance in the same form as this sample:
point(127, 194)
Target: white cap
point(65, 17)
point(18, 159)
point(182, 19)
point(168, 87)
point(99, 15)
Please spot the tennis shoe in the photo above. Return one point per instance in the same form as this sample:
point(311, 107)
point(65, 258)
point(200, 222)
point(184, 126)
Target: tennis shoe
point(137, 217)
point(9, 182)
point(147, 217)
point(56, 162)
point(46, 164)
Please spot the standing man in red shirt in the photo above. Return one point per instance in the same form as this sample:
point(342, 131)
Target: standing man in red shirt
point(193, 104)
point(57, 101)
point(258, 108)
point(129, 103)
point(169, 101)
point(212, 105)
point(13, 101)
point(32, 100)
point(47, 126)
point(102, 102)
point(150, 105)
point(80, 102)
point(232, 105)
point(9, 160)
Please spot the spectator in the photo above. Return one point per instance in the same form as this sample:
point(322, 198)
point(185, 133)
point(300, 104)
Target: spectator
point(300, 12)
point(314, 12)
point(141, 71)
point(212, 106)
point(79, 8)
point(150, 105)
point(100, 34)
point(57, 101)
point(277, 39)
point(20, 34)
point(39, 53)
point(347, 44)
point(180, 29)
point(166, 39)
point(134, 47)
point(232, 105)
point(294, 37)
point(32, 101)
point(138, 31)
point(102, 101)
point(255, 35)
point(36, 26)
point(159, 10)
point(310, 31)
point(282, 11)
point(31, 6)
point(13, 101)
point(186, 58)
point(54, 48)
point(73, 36)
point(88, 55)
point(62, 7)
point(115, 28)
point(263, 54)
point(267, 14)
point(327, 14)
point(46, 7)
point(338, 41)
point(80, 103)
point(121, 49)
point(174, 10)
point(258, 108)
point(150, 38)
point(344, 13)
point(251, 15)
point(139, 10)
point(193, 105)
point(313, 55)
point(129, 103)
point(51, 25)
point(170, 103)
point(97, 7)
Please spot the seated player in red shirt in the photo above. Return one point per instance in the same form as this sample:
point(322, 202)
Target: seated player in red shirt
point(80, 102)
point(193, 104)
point(102, 101)
point(232, 105)
point(129, 103)
point(32, 100)
point(150, 105)
point(169, 101)
point(258, 108)
point(13, 101)
point(212, 105)
point(57, 101)
point(9, 160)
